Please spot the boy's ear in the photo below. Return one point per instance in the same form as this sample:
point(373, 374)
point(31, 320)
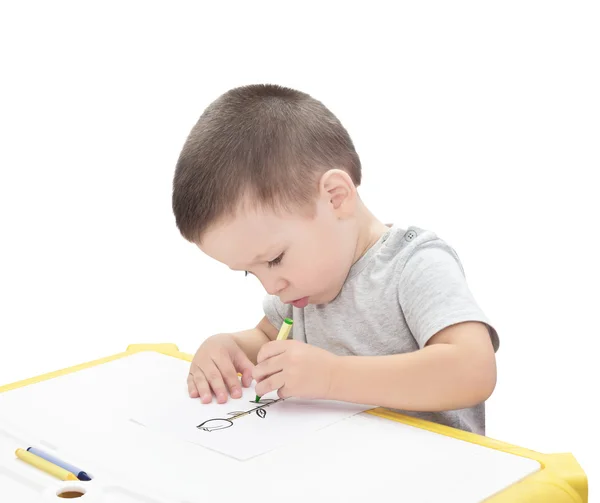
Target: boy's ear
point(337, 186)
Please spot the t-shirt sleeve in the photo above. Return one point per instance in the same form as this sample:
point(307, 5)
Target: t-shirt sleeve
point(276, 311)
point(434, 294)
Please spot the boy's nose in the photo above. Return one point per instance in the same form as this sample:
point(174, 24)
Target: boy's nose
point(275, 287)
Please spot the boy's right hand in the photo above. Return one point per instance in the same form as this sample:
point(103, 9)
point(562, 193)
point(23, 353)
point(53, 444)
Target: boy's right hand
point(215, 367)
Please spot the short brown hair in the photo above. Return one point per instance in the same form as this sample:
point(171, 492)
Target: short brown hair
point(268, 142)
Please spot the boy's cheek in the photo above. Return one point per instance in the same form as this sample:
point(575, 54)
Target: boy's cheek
point(315, 280)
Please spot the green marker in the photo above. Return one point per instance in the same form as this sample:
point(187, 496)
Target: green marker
point(284, 331)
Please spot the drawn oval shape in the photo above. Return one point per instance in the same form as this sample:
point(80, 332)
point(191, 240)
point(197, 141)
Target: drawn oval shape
point(214, 424)
point(261, 413)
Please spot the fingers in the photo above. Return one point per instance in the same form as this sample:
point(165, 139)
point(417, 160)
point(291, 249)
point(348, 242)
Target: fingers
point(244, 366)
point(198, 386)
point(267, 367)
point(272, 383)
point(282, 392)
point(247, 378)
point(271, 349)
point(215, 369)
point(192, 390)
point(229, 375)
point(215, 380)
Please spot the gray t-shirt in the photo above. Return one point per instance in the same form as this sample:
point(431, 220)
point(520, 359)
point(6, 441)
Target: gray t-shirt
point(404, 289)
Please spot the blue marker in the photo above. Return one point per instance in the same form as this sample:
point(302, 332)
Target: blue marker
point(81, 475)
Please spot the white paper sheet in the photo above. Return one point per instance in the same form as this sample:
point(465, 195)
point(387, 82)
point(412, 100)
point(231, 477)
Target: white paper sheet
point(242, 437)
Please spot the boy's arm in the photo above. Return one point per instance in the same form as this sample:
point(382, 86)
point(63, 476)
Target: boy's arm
point(250, 341)
point(455, 370)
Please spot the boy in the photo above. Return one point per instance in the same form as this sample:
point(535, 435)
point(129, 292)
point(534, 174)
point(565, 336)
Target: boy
point(266, 183)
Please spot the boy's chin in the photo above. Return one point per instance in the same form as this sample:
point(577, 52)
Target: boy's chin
point(322, 299)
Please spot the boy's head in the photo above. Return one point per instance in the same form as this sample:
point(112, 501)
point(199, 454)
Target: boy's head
point(266, 183)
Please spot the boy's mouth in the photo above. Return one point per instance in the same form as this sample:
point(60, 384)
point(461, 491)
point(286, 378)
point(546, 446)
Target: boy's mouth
point(300, 303)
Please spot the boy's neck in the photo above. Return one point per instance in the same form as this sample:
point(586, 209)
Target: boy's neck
point(370, 229)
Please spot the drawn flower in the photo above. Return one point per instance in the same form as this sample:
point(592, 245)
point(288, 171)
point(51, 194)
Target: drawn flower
point(222, 424)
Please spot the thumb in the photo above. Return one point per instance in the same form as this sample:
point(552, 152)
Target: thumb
point(243, 365)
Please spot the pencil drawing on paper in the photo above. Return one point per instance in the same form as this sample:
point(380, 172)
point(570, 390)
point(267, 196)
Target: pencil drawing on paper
point(224, 423)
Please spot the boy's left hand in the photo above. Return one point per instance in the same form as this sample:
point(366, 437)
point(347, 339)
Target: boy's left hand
point(294, 369)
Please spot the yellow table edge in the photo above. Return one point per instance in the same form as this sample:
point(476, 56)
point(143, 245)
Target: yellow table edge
point(560, 478)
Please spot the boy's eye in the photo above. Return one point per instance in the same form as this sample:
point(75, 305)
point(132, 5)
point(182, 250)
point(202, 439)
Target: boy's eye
point(276, 261)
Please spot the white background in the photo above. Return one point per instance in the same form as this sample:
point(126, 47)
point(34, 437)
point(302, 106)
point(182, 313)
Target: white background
point(477, 121)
